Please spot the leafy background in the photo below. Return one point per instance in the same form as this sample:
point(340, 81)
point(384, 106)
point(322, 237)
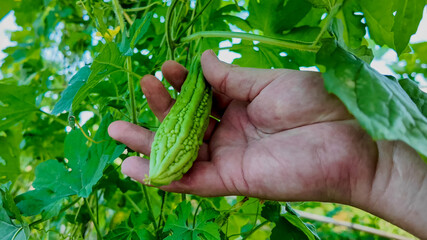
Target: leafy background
point(74, 69)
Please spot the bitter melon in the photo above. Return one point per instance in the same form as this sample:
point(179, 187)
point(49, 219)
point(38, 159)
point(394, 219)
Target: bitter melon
point(179, 136)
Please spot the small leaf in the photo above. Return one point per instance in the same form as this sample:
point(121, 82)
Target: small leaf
point(8, 210)
point(379, 18)
point(181, 228)
point(408, 16)
point(107, 62)
point(135, 227)
point(67, 96)
point(136, 32)
point(419, 97)
point(288, 225)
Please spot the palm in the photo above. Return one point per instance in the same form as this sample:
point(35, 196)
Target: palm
point(253, 160)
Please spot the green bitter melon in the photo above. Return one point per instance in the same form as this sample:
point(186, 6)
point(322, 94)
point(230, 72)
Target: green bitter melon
point(177, 141)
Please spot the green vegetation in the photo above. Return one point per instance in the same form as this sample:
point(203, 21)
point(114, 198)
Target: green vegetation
point(61, 179)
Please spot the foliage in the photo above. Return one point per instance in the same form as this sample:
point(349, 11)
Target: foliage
point(80, 60)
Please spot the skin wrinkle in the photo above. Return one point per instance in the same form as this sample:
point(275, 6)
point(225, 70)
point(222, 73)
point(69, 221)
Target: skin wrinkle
point(223, 84)
point(242, 172)
point(352, 180)
point(319, 160)
point(252, 94)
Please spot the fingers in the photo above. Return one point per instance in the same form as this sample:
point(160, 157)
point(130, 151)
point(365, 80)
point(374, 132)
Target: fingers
point(137, 138)
point(202, 179)
point(140, 139)
point(242, 84)
point(158, 98)
point(175, 74)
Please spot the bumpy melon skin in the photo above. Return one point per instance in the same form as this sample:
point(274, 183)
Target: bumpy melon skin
point(178, 139)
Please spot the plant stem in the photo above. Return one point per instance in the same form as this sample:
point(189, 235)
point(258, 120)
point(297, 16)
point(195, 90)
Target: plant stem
point(329, 18)
point(161, 208)
point(16, 233)
point(127, 17)
point(193, 20)
point(168, 29)
point(253, 37)
point(141, 8)
point(62, 122)
point(256, 228)
point(195, 213)
point(118, 10)
point(131, 87)
point(150, 210)
point(133, 204)
point(92, 217)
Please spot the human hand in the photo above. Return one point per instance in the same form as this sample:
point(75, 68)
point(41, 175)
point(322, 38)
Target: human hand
point(281, 137)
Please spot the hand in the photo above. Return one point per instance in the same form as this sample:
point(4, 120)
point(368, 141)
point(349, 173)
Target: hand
point(281, 137)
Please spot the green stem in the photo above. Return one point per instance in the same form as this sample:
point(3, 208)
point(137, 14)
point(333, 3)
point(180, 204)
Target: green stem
point(141, 8)
point(133, 204)
point(16, 233)
point(118, 11)
point(120, 68)
point(131, 87)
point(253, 230)
point(332, 13)
point(168, 29)
point(161, 208)
point(62, 122)
point(253, 37)
point(195, 213)
point(92, 217)
point(150, 210)
point(193, 20)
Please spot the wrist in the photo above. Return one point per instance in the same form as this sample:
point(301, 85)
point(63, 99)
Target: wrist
point(398, 191)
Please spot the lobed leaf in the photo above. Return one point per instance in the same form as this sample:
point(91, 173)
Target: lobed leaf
point(56, 181)
point(380, 104)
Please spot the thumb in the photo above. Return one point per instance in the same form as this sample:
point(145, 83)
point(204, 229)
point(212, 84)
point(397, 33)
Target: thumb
point(236, 82)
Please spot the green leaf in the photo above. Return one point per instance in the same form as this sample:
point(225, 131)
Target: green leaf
point(56, 181)
point(263, 14)
point(418, 97)
point(6, 7)
point(134, 228)
point(8, 211)
point(408, 16)
point(107, 62)
point(354, 28)
point(379, 18)
point(67, 96)
point(288, 225)
point(136, 32)
point(420, 50)
point(10, 154)
point(181, 228)
point(320, 3)
point(380, 105)
point(16, 104)
point(261, 56)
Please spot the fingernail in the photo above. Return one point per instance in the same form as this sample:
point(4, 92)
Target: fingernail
point(212, 52)
point(143, 85)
